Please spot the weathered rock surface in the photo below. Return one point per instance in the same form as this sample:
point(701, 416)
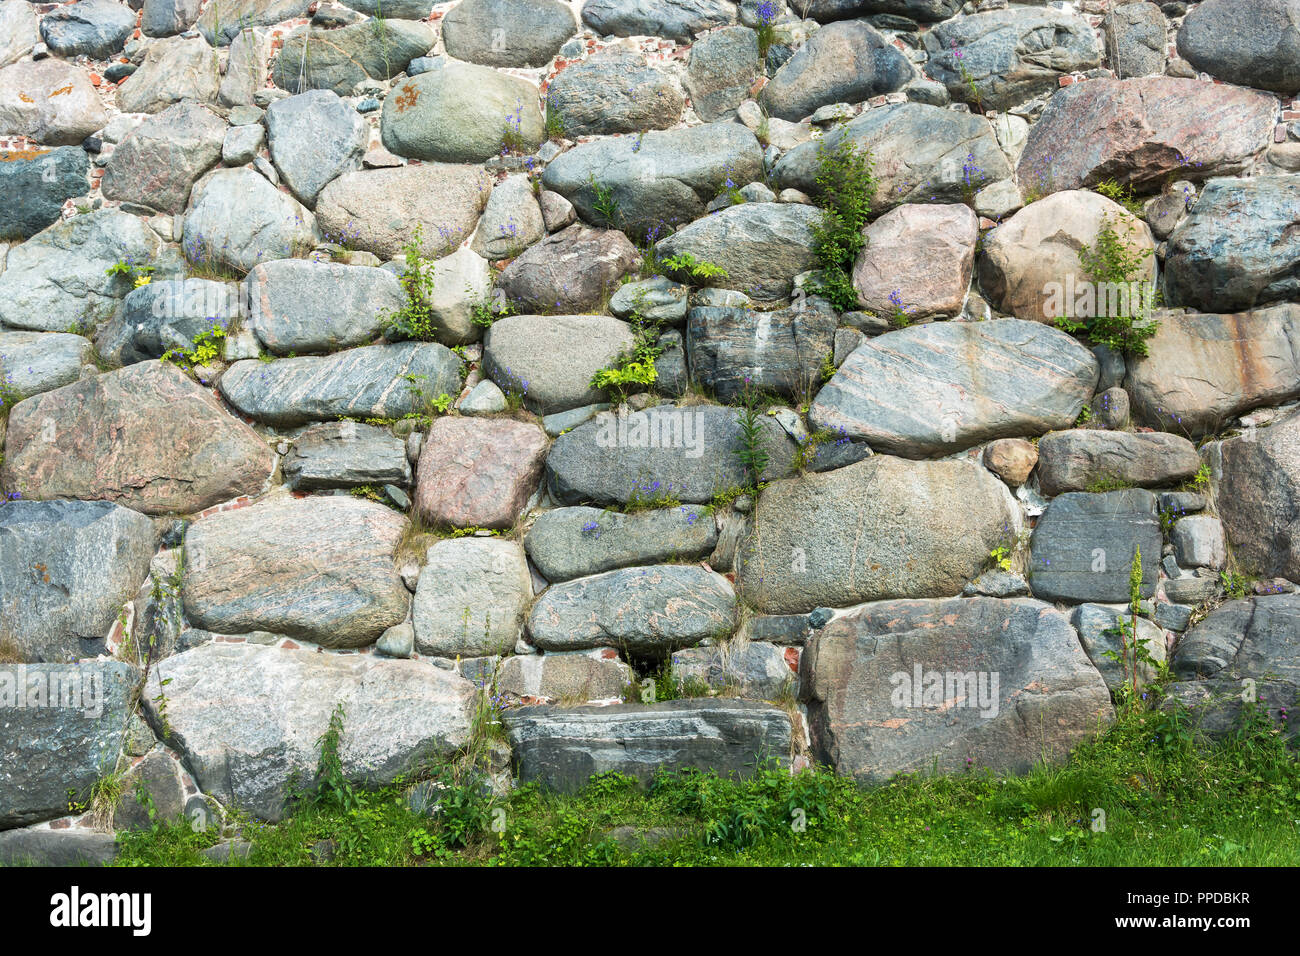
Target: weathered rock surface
point(566, 676)
point(552, 358)
point(1259, 497)
point(1083, 546)
point(922, 256)
point(46, 847)
point(316, 59)
point(164, 315)
point(237, 219)
point(510, 33)
point(93, 28)
point(576, 542)
point(300, 306)
point(35, 188)
point(1074, 460)
point(472, 598)
point(672, 19)
point(174, 69)
point(1217, 705)
point(346, 455)
point(614, 91)
point(29, 108)
point(845, 62)
point(1099, 633)
point(145, 436)
point(478, 473)
point(1258, 637)
point(750, 669)
point(18, 31)
point(159, 162)
point(573, 270)
point(35, 362)
point(1258, 47)
point(900, 685)
point(1135, 36)
point(224, 20)
point(723, 65)
point(314, 138)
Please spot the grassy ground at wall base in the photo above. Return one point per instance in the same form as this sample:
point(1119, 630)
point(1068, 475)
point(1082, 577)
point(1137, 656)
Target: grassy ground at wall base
point(1165, 801)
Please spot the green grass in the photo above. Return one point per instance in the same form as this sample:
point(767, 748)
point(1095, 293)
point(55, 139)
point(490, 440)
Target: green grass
point(1166, 803)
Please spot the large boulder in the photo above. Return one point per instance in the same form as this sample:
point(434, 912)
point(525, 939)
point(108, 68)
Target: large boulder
point(1238, 247)
point(296, 305)
point(760, 247)
point(375, 381)
point(926, 11)
point(679, 20)
point(477, 473)
point(248, 719)
point(921, 256)
point(657, 180)
point(1143, 132)
point(1258, 637)
point(28, 106)
point(1257, 46)
point(164, 18)
point(867, 532)
point(510, 33)
point(1201, 370)
point(338, 59)
point(380, 208)
point(614, 91)
point(720, 70)
point(919, 153)
point(472, 597)
point(58, 279)
point(66, 569)
point(462, 113)
point(223, 20)
point(1074, 460)
point(1220, 707)
point(35, 362)
point(1003, 57)
point(512, 220)
point(36, 185)
point(563, 747)
point(145, 436)
point(161, 159)
point(568, 676)
point(925, 390)
point(576, 542)
point(314, 138)
point(315, 569)
point(237, 219)
point(1258, 497)
point(174, 70)
point(573, 270)
point(553, 357)
point(62, 732)
point(45, 846)
point(1083, 547)
point(909, 686)
point(659, 453)
point(845, 62)
point(93, 28)
point(1030, 265)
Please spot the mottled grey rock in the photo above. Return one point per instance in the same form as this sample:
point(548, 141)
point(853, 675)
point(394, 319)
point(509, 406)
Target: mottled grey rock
point(1258, 637)
point(1083, 546)
point(739, 669)
point(1198, 542)
point(64, 848)
point(159, 162)
point(1216, 706)
point(299, 306)
point(461, 281)
point(511, 222)
point(35, 188)
point(554, 357)
point(1135, 36)
point(315, 59)
point(997, 584)
point(922, 390)
point(679, 20)
point(614, 91)
point(845, 62)
point(247, 718)
point(573, 270)
point(223, 20)
point(904, 686)
point(1258, 497)
point(1073, 460)
point(1257, 46)
point(314, 138)
point(18, 31)
point(398, 641)
point(242, 144)
point(510, 33)
point(238, 219)
point(164, 18)
point(722, 67)
point(93, 28)
point(174, 70)
point(29, 108)
point(345, 455)
point(657, 299)
point(166, 315)
point(575, 542)
point(152, 794)
point(566, 676)
point(245, 66)
point(368, 382)
point(485, 398)
point(66, 569)
point(35, 362)
point(472, 598)
point(1099, 633)
point(927, 11)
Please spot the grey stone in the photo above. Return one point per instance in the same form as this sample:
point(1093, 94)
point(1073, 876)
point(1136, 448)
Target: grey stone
point(152, 794)
point(1198, 542)
point(18, 31)
point(1074, 460)
point(37, 187)
point(224, 20)
point(1258, 497)
point(315, 59)
point(576, 542)
point(1216, 706)
point(614, 91)
point(1083, 546)
point(573, 270)
point(1258, 637)
point(299, 306)
point(567, 676)
point(63, 848)
point(237, 219)
point(1099, 633)
point(314, 138)
point(245, 67)
point(739, 669)
point(509, 33)
point(997, 584)
point(1135, 37)
point(397, 641)
point(1174, 617)
point(561, 422)
point(722, 67)
point(1259, 49)
point(679, 20)
point(93, 28)
point(345, 455)
point(657, 299)
point(485, 398)
point(511, 222)
point(28, 108)
point(845, 62)
point(174, 70)
point(553, 357)
point(158, 164)
point(166, 315)
point(472, 598)
point(35, 362)
point(164, 18)
point(242, 144)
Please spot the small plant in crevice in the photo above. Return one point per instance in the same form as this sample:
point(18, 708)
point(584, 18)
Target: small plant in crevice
point(684, 263)
point(808, 447)
point(973, 95)
point(603, 203)
point(1117, 268)
point(899, 316)
point(752, 452)
point(846, 190)
point(130, 272)
point(414, 319)
point(206, 349)
point(767, 11)
point(637, 367)
point(1121, 193)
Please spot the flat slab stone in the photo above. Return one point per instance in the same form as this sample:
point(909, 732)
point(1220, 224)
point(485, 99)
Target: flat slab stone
point(1083, 546)
point(575, 542)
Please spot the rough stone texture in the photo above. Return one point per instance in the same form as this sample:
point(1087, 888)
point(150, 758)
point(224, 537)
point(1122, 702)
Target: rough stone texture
point(747, 669)
point(35, 188)
point(1011, 459)
point(1009, 56)
point(460, 281)
point(1199, 543)
point(1099, 633)
point(927, 389)
point(47, 751)
point(1030, 264)
point(238, 219)
point(566, 676)
point(1217, 706)
point(245, 66)
point(1257, 46)
point(301, 306)
point(368, 382)
point(657, 180)
point(1143, 132)
point(173, 70)
point(1201, 370)
point(1074, 460)
point(318, 569)
point(845, 62)
point(1258, 497)
point(761, 247)
point(686, 453)
point(1135, 35)
point(345, 455)
point(161, 160)
point(679, 20)
point(41, 847)
point(461, 113)
point(1083, 546)
point(223, 20)
point(18, 32)
point(382, 207)
point(29, 108)
point(554, 357)
point(57, 279)
point(1258, 637)
point(247, 717)
point(573, 270)
point(869, 531)
point(722, 66)
point(472, 598)
point(92, 28)
point(871, 720)
point(642, 610)
point(779, 351)
point(314, 138)
point(66, 569)
point(920, 154)
point(478, 473)
point(315, 59)
point(159, 777)
point(164, 315)
point(923, 255)
point(35, 362)
point(162, 18)
point(512, 220)
point(614, 91)
point(510, 33)
point(575, 542)
point(145, 436)
point(1237, 249)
